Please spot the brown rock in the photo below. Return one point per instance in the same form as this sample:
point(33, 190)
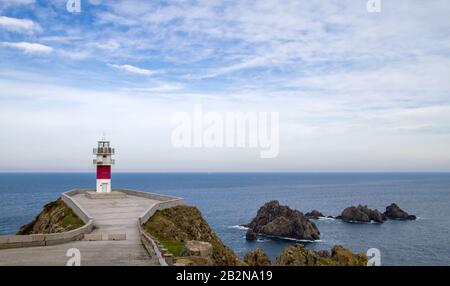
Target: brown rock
point(180, 224)
point(250, 235)
point(197, 248)
point(274, 219)
point(395, 212)
point(56, 217)
point(299, 255)
point(314, 214)
point(361, 214)
point(257, 258)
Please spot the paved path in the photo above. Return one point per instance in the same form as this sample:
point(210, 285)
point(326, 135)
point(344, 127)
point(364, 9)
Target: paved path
point(110, 216)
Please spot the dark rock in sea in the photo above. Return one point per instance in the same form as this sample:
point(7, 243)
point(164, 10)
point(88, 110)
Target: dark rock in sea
point(395, 212)
point(314, 214)
point(361, 214)
point(281, 221)
point(250, 235)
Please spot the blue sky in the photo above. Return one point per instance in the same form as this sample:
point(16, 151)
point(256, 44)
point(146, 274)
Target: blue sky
point(355, 90)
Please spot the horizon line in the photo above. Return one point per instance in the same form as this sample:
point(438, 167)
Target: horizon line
point(227, 172)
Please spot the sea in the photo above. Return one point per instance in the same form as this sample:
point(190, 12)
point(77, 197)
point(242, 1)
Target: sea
point(228, 200)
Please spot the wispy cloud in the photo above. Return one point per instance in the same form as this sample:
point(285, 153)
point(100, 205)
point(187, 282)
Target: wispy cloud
point(29, 48)
point(165, 87)
point(19, 25)
point(132, 69)
point(18, 2)
point(343, 80)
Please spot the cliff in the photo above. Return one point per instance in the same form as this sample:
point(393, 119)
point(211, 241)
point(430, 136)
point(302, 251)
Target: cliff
point(54, 218)
point(175, 227)
point(299, 255)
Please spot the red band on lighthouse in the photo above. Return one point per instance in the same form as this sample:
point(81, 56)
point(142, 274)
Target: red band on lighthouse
point(103, 172)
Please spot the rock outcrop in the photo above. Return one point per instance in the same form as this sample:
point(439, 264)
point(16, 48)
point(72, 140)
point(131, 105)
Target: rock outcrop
point(257, 258)
point(175, 227)
point(314, 214)
point(361, 214)
point(299, 255)
point(197, 248)
point(393, 211)
point(276, 220)
point(250, 235)
point(56, 217)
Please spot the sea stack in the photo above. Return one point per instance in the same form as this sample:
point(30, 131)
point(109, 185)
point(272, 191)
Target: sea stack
point(361, 214)
point(273, 219)
point(314, 214)
point(393, 211)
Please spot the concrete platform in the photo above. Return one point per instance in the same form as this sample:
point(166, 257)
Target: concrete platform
point(111, 216)
point(112, 195)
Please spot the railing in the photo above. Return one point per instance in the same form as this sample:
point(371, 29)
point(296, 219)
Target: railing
point(150, 243)
point(108, 162)
point(104, 151)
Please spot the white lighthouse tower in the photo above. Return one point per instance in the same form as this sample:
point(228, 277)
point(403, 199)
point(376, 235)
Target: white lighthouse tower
point(103, 161)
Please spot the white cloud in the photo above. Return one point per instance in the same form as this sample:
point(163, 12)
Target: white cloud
point(165, 87)
point(132, 69)
point(18, 2)
point(29, 48)
point(19, 25)
point(348, 84)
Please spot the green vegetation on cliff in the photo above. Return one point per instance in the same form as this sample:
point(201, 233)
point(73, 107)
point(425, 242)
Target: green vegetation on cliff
point(173, 227)
point(299, 255)
point(54, 218)
point(257, 258)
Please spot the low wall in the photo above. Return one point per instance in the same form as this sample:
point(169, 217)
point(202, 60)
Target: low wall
point(152, 196)
point(17, 241)
point(150, 243)
point(75, 206)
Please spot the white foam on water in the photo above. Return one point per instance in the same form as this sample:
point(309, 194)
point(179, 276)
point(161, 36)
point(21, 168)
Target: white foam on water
point(291, 239)
point(326, 218)
point(238, 227)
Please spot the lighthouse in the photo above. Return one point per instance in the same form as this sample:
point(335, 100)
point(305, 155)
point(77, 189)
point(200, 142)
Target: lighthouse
point(103, 161)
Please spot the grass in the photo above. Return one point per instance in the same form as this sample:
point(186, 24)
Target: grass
point(172, 227)
point(61, 216)
point(174, 247)
point(71, 220)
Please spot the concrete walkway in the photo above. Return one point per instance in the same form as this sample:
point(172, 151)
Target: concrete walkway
point(111, 216)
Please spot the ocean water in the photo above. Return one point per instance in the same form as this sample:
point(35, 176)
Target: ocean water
point(229, 200)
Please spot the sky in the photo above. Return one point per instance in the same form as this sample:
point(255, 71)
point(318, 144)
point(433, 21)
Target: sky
point(355, 91)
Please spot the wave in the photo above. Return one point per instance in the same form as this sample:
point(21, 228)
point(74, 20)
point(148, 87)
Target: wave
point(326, 218)
point(241, 227)
point(290, 238)
point(360, 222)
